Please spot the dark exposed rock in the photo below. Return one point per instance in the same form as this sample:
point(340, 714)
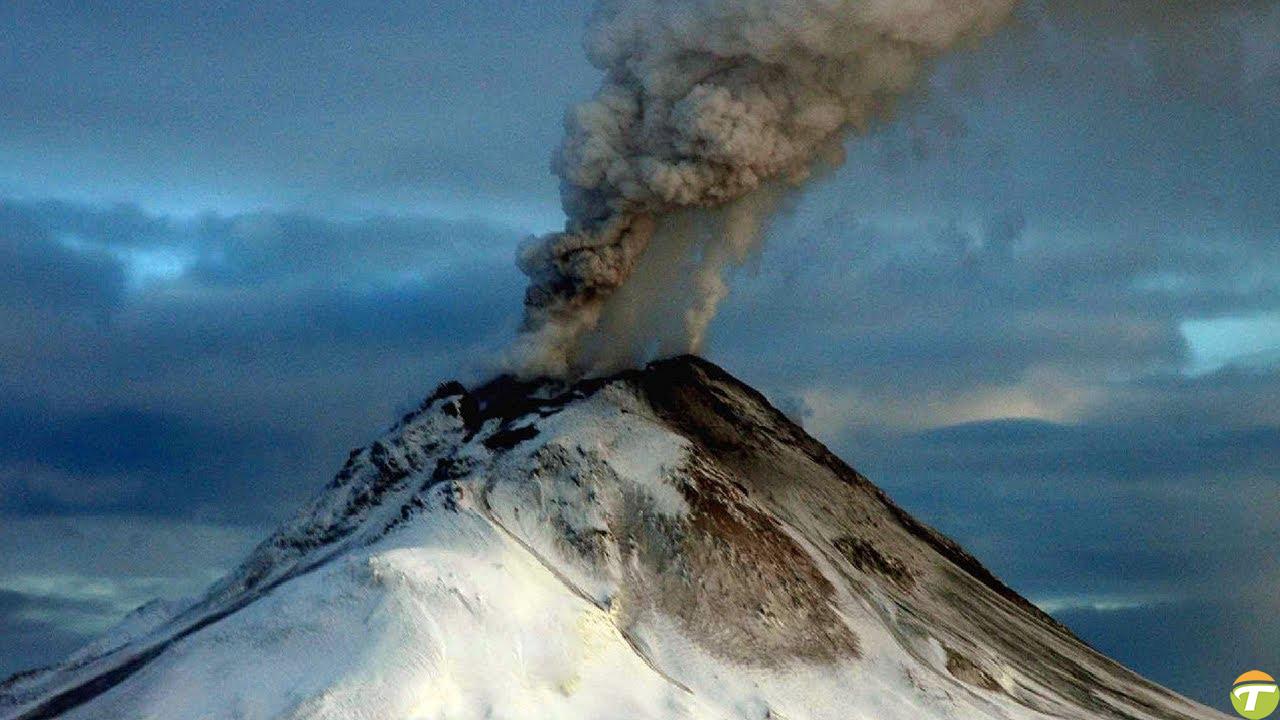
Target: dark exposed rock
point(867, 558)
point(510, 437)
point(965, 670)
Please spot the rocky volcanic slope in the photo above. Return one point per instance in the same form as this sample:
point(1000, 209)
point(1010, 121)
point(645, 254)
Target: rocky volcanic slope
point(659, 544)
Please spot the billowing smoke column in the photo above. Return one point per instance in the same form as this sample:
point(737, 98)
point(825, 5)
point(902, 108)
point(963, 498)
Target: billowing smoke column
point(706, 108)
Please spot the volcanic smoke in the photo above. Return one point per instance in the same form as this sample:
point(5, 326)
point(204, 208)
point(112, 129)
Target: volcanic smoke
point(708, 112)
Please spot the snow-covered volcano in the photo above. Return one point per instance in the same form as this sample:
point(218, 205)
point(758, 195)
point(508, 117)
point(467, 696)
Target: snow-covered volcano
point(658, 544)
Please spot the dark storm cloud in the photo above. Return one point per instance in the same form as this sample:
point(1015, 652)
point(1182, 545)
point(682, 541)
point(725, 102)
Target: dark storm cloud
point(1167, 643)
point(1105, 453)
point(946, 308)
point(222, 349)
point(132, 460)
point(255, 248)
point(42, 273)
point(1111, 507)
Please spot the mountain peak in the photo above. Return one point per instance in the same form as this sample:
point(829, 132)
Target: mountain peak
point(658, 543)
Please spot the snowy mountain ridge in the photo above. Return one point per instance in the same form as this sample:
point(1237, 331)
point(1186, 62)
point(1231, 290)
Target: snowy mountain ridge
point(662, 543)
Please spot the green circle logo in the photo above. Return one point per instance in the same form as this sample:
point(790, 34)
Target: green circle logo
point(1255, 695)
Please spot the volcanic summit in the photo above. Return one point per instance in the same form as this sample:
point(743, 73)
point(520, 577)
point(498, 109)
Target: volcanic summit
point(661, 543)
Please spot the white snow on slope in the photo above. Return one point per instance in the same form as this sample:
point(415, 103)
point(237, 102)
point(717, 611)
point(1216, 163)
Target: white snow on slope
point(487, 574)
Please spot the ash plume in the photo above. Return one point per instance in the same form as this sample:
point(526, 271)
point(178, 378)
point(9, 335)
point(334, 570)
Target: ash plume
point(705, 107)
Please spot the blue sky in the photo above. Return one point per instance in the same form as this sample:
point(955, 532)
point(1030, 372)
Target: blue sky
point(1040, 305)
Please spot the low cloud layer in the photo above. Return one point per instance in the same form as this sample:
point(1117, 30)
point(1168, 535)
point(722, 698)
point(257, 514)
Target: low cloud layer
point(207, 366)
point(69, 577)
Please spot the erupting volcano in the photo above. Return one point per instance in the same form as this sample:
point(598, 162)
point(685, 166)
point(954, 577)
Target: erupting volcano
point(661, 543)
